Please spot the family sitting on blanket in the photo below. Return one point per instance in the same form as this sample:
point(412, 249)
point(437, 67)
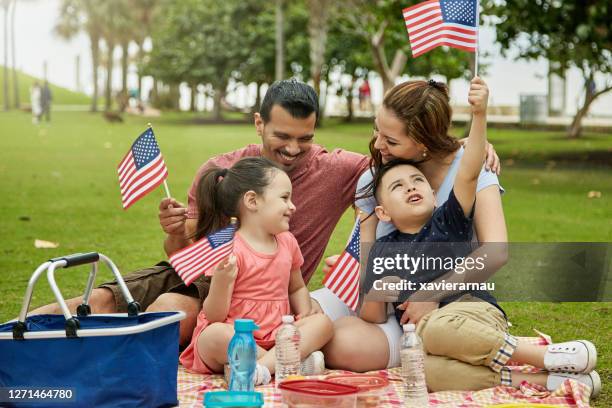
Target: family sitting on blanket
point(411, 124)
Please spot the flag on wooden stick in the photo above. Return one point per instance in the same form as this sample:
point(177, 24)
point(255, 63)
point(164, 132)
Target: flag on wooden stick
point(141, 170)
point(442, 22)
point(198, 258)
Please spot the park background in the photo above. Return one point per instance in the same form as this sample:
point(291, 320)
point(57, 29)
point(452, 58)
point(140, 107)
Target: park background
point(200, 69)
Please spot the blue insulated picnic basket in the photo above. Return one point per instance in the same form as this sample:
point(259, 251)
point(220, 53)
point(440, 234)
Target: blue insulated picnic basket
point(112, 360)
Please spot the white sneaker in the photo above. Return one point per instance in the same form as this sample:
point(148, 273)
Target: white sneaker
point(591, 379)
point(262, 374)
point(314, 364)
point(573, 356)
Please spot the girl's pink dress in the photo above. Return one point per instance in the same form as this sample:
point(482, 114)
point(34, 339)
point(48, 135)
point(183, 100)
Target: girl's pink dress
point(261, 293)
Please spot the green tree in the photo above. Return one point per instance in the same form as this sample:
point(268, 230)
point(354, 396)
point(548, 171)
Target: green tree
point(318, 25)
point(567, 33)
point(145, 12)
point(116, 31)
point(84, 15)
point(381, 25)
point(259, 66)
point(201, 42)
point(348, 54)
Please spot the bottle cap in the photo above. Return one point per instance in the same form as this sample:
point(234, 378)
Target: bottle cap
point(409, 327)
point(245, 325)
point(287, 319)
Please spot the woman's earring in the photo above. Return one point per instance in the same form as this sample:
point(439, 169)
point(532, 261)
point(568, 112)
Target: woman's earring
point(424, 153)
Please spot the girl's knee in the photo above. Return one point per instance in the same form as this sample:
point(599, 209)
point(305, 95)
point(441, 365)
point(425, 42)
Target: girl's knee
point(215, 336)
point(320, 323)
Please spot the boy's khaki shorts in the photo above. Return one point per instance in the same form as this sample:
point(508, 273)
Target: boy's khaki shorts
point(146, 285)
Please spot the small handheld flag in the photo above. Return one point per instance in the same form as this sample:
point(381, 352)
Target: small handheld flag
point(198, 258)
point(442, 22)
point(141, 170)
point(343, 278)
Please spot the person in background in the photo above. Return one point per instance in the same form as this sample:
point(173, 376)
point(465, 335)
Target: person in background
point(45, 101)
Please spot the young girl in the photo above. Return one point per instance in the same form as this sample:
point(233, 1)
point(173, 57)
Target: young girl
point(466, 336)
point(261, 280)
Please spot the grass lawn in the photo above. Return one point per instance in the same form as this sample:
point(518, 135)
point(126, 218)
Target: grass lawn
point(59, 184)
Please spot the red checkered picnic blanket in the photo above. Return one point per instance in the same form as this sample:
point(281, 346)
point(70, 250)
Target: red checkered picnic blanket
point(571, 393)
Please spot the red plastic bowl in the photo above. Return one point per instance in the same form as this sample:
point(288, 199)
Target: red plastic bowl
point(371, 387)
point(318, 393)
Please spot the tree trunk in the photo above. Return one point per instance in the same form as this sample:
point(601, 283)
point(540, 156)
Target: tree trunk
point(14, 58)
point(280, 41)
point(575, 129)
point(154, 92)
point(317, 33)
point(349, 100)
point(124, 66)
point(217, 108)
point(95, 60)
point(175, 96)
point(257, 105)
point(139, 64)
point(7, 105)
point(387, 74)
point(192, 99)
point(108, 103)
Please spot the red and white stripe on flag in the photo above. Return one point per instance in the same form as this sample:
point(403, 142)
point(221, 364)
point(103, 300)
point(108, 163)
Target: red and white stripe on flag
point(141, 170)
point(427, 28)
point(200, 257)
point(343, 278)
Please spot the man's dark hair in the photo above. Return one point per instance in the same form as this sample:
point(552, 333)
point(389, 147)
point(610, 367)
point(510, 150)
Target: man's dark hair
point(299, 99)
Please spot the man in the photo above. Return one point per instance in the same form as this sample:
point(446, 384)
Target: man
point(45, 100)
point(323, 188)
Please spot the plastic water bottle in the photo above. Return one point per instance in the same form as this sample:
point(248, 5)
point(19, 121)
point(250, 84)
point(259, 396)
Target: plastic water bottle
point(413, 367)
point(287, 350)
point(242, 356)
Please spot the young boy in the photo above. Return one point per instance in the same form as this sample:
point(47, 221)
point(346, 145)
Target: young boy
point(465, 336)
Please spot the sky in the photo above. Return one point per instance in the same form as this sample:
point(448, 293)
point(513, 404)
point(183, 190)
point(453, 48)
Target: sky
point(507, 78)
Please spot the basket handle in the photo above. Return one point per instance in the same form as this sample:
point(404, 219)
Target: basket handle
point(72, 323)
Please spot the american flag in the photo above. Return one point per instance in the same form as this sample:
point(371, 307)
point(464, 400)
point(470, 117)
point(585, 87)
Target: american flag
point(442, 22)
point(141, 170)
point(199, 257)
point(343, 278)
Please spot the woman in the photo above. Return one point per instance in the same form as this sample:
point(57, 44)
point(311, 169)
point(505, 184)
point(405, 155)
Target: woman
point(426, 140)
point(413, 124)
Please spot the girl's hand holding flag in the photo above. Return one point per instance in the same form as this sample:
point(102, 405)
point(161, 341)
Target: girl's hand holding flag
point(226, 271)
point(210, 252)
